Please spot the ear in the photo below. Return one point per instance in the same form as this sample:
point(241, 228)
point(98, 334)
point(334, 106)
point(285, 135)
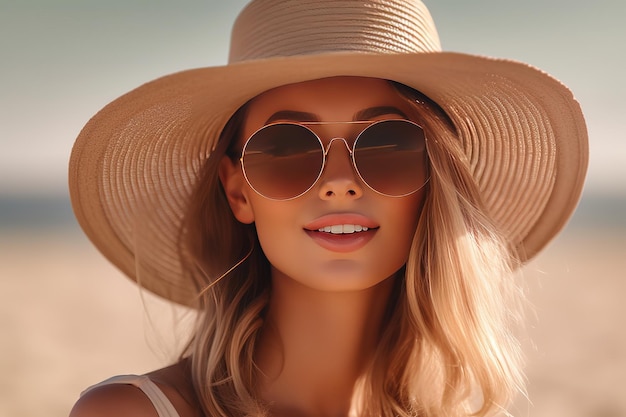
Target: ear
point(234, 185)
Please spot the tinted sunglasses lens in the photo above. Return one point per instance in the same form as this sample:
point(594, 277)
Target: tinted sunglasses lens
point(282, 161)
point(391, 157)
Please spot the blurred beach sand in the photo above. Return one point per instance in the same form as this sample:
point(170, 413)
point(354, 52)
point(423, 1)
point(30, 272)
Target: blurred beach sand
point(69, 319)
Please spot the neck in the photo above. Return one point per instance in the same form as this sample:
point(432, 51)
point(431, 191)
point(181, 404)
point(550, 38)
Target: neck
point(316, 344)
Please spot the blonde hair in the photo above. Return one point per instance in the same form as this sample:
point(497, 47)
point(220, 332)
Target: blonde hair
point(447, 348)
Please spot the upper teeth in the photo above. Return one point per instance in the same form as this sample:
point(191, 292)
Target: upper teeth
point(343, 228)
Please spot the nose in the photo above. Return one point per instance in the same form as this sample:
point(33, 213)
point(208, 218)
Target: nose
point(339, 179)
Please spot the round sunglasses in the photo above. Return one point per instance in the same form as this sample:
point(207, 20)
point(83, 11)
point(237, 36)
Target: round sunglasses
point(284, 160)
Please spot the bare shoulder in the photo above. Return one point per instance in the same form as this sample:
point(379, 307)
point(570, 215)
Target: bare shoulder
point(127, 400)
point(176, 383)
point(114, 400)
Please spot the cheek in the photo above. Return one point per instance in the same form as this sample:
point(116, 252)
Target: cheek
point(276, 228)
point(412, 212)
point(405, 217)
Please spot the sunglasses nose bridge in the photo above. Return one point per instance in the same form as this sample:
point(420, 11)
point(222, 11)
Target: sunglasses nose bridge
point(339, 176)
point(330, 143)
point(337, 159)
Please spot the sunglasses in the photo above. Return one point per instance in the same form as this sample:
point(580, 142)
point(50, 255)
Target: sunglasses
point(284, 160)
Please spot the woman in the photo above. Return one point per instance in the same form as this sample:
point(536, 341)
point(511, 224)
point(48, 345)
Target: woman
point(343, 203)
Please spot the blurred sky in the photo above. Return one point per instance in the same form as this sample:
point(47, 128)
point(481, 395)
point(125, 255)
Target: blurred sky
point(62, 60)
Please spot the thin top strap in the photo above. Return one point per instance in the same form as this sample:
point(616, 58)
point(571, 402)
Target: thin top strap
point(160, 401)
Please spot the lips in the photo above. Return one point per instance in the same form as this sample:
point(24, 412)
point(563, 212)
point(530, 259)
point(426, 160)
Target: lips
point(336, 220)
point(338, 229)
point(342, 232)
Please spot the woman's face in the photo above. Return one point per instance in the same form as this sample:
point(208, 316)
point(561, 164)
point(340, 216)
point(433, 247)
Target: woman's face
point(289, 230)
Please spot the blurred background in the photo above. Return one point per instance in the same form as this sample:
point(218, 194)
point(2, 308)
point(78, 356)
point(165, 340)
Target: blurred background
point(68, 319)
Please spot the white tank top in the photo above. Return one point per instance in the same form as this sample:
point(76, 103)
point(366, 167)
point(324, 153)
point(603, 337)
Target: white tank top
point(161, 403)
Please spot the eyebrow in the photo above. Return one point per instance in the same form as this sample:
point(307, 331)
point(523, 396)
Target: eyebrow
point(361, 115)
point(372, 112)
point(299, 116)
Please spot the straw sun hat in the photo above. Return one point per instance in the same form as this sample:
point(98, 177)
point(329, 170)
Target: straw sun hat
point(135, 163)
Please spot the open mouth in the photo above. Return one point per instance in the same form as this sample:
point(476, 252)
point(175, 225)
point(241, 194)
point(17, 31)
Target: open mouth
point(342, 238)
point(340, 229)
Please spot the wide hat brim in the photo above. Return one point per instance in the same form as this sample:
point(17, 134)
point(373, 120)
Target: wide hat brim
point(136, 162)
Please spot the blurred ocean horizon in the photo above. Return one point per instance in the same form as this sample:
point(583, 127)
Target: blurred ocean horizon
point(53, 213)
